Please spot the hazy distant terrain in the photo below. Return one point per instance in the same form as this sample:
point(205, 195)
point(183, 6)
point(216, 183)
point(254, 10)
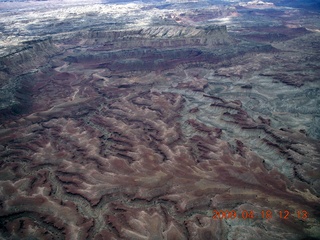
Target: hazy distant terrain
point(159, 120)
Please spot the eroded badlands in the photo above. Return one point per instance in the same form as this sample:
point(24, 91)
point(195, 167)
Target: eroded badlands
point(141, 132)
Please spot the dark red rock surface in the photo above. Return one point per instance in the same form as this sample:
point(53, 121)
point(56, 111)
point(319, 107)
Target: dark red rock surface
point(142, 133)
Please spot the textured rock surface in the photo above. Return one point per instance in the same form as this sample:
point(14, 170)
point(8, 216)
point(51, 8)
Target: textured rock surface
point(141, 131)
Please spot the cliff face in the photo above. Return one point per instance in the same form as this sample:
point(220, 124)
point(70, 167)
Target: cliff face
point(158, 37)
point(149, 48)
point(150, 43)
point(155, 48)
point(119, 51)
point(31, 55)
point(16, 78)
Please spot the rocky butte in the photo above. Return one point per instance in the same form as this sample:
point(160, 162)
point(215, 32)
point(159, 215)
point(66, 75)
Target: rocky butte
point(159, 120)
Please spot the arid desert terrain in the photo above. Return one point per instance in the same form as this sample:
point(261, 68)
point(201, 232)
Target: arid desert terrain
point(160, 120)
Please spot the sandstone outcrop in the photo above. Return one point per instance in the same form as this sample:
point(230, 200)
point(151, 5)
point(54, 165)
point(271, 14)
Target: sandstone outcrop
point(30, 56)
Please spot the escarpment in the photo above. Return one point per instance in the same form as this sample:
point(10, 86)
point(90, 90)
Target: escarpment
point(146, 48)
point(143, 49)
point(160, 37)
point(25, 58)
point(156, 48)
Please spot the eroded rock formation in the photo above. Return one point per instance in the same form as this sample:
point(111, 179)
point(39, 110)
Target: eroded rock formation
point(141, 133)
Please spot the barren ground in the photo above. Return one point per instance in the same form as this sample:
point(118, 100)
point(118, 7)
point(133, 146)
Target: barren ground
point(137, 121)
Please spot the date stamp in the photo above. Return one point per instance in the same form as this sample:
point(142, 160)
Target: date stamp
point(264, 214)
